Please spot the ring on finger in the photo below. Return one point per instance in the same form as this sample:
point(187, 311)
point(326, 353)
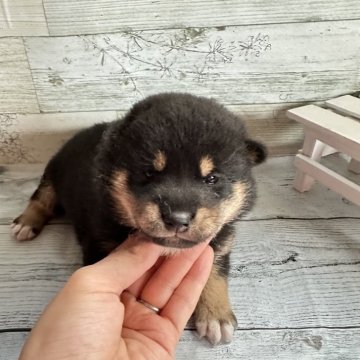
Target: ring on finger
point(155, 309)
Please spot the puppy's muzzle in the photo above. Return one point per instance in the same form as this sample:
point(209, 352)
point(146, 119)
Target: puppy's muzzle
point(178, 221)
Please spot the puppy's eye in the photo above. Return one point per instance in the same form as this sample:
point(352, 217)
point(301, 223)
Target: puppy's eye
point(211, 179)
point(149, 173)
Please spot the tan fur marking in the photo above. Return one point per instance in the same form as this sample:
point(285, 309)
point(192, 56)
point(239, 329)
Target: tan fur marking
point(206, 165)
point(214, 300)
point(231, 207)
point(124, 201)
point(206, 221)
point(159, 161)
point(150, 220)
point(40, 209)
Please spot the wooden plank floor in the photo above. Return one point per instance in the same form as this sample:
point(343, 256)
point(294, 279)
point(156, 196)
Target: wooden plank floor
point(295, 273)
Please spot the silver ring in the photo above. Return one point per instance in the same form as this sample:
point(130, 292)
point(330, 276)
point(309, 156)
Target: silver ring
point(149, 306)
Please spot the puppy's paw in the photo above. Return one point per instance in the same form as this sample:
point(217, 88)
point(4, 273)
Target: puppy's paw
point(217, 328)
point(23, 230)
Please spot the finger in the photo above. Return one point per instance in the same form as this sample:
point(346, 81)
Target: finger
point(137, 287)
point(167, 278)
point(183, 302)
point(125, 265)
point(132, 306)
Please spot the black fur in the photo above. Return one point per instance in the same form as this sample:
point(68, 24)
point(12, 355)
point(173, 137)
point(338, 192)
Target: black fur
point(185, 128)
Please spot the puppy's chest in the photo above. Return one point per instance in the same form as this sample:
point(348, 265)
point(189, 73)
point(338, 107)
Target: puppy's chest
point(223, 242)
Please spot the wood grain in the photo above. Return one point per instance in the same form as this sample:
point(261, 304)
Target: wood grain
point(275, 192)
point(237, 65)
point(22, 18)
point(94, 16)
point(317, 344)
point(293, 273)
point(310, 344)
point(17, 93)
point(32, 281)
point(290, 279)
point(34, 138)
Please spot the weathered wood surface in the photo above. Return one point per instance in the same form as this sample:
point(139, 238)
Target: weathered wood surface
point(276, 197)
point(284, 273)
point(312, 344)
point(237, 65)
point(17, 93)
point(94, 16)
point(290, 279)
point(287, 344)
point(22, 17)
point(38, 271)
point(34, 138)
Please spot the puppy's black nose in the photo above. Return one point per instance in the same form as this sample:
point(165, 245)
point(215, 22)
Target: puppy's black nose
point(180, 220)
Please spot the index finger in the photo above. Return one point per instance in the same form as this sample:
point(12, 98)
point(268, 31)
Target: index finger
point(167, 278)
point(125, 265)
point(184, 299)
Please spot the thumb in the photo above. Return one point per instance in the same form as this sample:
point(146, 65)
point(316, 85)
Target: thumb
point(124, 265)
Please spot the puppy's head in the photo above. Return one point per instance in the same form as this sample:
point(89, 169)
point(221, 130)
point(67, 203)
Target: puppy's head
point(178, 168)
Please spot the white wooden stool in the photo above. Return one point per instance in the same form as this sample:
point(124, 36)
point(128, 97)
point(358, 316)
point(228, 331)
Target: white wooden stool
point(327, 131)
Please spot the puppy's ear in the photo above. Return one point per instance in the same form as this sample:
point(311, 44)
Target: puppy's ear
point(256, 152)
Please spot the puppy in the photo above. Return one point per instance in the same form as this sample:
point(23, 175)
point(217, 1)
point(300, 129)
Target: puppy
point(177, 167)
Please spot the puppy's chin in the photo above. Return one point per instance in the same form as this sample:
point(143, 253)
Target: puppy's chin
point(174, 242)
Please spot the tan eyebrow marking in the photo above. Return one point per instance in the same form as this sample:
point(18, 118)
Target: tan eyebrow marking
point(159, 161)
point(206, 165)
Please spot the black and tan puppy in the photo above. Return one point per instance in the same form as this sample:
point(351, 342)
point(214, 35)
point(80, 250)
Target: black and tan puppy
point(177, 167)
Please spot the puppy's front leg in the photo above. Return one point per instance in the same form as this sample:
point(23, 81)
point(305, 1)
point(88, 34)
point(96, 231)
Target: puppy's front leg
point(214, 317)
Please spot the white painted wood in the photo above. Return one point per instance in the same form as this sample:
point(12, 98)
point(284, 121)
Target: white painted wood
point(275, 187)
point(293, 273)
point(67, 17)
point(343, 133)
point(328, 150)
point(287, 344)
point(315, 150)
point(275, 177)
point(348, 105)
point(17, 93)
point(237, 65)
point(311, 148)
point(22, 18)
point(306, 344)
point(327, 177)
point(354, 166)
point(34, 138)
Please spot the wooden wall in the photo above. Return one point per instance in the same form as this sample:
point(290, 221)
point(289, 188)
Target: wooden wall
point(66, 64)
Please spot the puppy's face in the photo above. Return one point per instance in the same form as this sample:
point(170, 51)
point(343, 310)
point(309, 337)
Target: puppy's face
point(181, 169)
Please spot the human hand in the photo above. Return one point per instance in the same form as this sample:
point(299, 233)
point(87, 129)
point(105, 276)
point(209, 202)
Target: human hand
point(97, 316)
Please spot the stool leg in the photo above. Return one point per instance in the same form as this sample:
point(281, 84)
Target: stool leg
point(313, 149)
point(354, 166)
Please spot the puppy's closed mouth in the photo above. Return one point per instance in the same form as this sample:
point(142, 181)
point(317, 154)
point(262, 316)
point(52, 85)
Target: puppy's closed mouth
point(174, 242)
